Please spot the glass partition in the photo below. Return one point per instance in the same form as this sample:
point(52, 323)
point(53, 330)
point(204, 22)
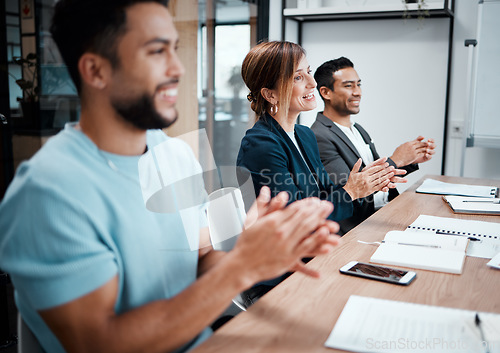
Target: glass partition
point(59, 102)
point(13, 51)
point(228, 31)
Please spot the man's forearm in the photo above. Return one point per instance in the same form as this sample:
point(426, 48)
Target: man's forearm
point(187, 314)
point(159, 326)
point(270, 246)
point(209, 260)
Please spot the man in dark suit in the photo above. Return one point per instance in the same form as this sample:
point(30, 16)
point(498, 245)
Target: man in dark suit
point(341, 142)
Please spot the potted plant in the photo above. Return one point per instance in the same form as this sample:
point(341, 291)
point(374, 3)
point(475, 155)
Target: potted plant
point(29, 84)
point(422, 11)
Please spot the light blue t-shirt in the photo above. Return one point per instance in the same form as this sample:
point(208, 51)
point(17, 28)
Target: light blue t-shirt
point(75, 216)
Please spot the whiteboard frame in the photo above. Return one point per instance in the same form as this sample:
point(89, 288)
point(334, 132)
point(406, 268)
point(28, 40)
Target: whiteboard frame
point(472, 139)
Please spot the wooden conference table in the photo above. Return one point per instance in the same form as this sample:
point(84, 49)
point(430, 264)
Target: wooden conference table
point(299, 314)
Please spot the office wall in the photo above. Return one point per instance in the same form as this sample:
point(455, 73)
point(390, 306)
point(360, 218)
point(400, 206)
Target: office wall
point(403, 67)
point(274, 20)
point(479, 162)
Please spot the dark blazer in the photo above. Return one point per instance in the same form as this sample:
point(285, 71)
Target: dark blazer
point(272, 159)
point(339, 155)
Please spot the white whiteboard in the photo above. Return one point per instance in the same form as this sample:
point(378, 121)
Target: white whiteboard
point(485, 120)
point(403, 67)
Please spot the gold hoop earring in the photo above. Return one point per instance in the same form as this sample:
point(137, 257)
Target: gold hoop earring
point(274, 109)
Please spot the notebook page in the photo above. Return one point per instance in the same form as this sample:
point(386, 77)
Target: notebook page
point(488, 233)
point(445, 242)
point(378, 325)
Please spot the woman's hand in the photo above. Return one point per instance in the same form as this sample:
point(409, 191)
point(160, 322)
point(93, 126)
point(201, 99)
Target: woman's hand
point(377, 176)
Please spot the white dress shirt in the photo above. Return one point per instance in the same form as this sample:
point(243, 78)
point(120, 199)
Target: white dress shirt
point(380, 198)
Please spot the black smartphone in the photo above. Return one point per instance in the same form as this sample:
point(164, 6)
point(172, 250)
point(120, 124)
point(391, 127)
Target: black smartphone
point(380, 273)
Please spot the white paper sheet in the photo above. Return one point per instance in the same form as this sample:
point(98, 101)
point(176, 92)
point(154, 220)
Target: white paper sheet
point(377, 325)
point(431, 186)
point(495, 261)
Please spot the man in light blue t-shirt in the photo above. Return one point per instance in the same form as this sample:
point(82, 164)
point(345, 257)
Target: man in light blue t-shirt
point(103, 231)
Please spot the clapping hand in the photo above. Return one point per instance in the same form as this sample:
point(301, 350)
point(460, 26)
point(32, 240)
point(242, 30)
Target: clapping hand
point(276, 237)
point(415, 151)
point(377, 176)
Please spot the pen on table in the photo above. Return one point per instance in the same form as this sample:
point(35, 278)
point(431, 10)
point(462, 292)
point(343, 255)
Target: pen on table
point(458, 235)
point(496, 201)
point(424, 245)
point(477, 321)
point(383, 241)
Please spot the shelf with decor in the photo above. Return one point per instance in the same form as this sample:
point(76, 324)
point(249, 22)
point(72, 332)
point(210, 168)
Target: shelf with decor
point(370, 9)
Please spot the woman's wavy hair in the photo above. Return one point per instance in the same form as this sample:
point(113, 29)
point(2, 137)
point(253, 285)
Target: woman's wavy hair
point(271, 65)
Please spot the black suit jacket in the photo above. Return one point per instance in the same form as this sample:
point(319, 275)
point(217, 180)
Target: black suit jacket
point(272, 159)
point(339, 155)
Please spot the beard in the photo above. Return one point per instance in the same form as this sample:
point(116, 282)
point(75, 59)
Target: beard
point(141, 113)
point(343, 109)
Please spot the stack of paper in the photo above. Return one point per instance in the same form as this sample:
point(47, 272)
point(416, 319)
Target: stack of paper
point(473, 205)
point(378, 325)
point(431, 186)
point(442, 253)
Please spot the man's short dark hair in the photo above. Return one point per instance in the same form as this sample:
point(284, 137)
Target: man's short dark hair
point(80, 26)
point(324, 73)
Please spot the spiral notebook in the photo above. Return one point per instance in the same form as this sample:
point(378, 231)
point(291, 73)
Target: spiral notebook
point(484, 236)
point(380, 325)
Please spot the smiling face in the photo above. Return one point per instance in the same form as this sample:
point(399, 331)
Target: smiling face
point(303, 98)
point(346, 95)
point(145, 83)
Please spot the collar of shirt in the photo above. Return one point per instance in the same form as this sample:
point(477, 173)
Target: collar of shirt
point(357, 140)
point(364, 150)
